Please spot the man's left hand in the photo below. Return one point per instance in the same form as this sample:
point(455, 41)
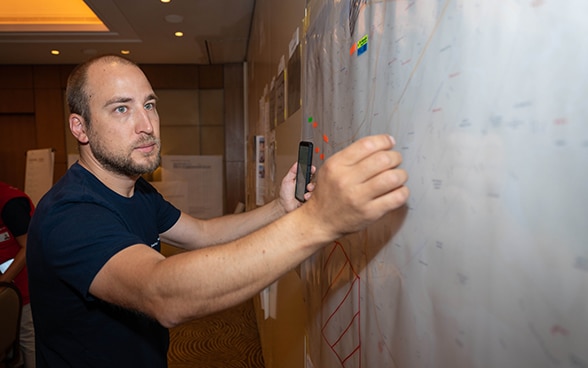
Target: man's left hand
point(287, 199)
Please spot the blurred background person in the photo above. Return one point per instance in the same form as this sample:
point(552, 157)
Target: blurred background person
point(16, 209)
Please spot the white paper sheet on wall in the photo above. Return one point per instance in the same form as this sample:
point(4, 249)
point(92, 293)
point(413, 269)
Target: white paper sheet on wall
point(269, 301)
point(204, 175)
point(176, 192)
point(487, 266)
point(39, 173)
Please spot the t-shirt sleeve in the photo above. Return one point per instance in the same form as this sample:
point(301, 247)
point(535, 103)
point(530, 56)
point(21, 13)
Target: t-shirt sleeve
point(167, 214)
point(89, 244)
point(83, 233)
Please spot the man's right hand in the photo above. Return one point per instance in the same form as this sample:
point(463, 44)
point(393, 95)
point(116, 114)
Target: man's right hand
point(357, 186)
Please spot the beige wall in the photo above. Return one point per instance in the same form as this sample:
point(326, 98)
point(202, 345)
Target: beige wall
point(273, 26)
point(192, 121)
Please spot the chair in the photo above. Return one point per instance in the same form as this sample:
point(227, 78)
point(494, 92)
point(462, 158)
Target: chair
point(10, 314)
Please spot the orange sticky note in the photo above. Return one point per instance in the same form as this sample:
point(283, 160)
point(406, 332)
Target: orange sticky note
point(315, 124)
point(325, 138)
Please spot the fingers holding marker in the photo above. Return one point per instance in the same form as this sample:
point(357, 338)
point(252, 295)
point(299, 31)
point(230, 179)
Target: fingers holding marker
point(358, 185)
point(384, 183)
point(377, 163)
point(365, 147)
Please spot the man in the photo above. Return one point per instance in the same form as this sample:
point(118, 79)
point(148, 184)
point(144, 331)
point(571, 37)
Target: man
point(16, 209)
point(102, 295)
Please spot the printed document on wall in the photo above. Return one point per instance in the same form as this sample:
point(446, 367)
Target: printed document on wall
point(39, 173)
point(204, 176)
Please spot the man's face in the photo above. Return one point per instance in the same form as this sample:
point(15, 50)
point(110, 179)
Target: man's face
point(123, 135)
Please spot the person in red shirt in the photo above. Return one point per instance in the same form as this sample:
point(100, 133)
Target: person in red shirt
point(16, 210)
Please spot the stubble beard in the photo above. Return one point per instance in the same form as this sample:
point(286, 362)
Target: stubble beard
point(124, 164)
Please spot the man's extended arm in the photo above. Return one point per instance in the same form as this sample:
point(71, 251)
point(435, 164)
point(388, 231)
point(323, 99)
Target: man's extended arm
point(354, 187)
point(231, 227)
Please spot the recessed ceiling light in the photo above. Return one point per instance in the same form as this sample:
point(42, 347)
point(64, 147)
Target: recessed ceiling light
point(179, 34)
point(165, 1)
point(54, 52)
point(125, 52)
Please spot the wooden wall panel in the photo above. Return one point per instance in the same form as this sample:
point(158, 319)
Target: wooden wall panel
point(46, 76)
point(49, 114)
point(50, 126)
point(234, 113)
point(171, 76)
point(17, 101)
point(16, 77)
point(211, 76)
point(234, 135)
point(16, 95)
point(18, 136)
point(64, 71)
point(235, 185)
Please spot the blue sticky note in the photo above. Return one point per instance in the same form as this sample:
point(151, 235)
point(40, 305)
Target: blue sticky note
point(362, 45)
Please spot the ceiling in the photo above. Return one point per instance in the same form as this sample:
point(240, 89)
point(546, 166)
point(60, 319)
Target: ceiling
point(215, 32)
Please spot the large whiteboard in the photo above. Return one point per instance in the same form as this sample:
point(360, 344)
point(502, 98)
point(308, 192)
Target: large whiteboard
point(488, 101)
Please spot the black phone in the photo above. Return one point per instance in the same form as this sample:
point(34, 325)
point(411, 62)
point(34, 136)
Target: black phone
point(304, 169)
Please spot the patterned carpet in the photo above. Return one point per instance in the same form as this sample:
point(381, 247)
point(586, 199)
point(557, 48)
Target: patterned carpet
point(228, 339)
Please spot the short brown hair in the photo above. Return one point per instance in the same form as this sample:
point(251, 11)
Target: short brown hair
point(78, 99)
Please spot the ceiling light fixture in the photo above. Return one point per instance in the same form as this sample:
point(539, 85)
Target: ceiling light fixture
point(165, 1)
point(125, 52)
point(179, 34)
point(54, 52)
point(49, 16)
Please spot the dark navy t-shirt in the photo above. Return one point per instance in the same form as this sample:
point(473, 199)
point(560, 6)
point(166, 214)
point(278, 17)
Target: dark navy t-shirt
point(77, 227)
